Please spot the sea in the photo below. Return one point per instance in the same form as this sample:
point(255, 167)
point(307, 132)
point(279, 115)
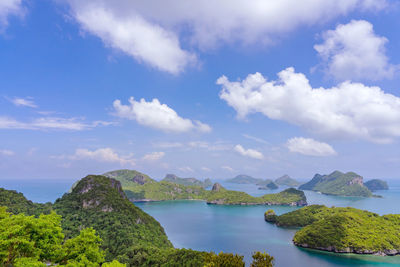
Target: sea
point(238, 229)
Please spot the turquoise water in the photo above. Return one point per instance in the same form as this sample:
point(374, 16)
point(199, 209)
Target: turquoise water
point(238, 229)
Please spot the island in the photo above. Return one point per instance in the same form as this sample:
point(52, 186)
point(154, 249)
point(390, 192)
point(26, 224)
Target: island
point(376, 184)
point(245, 179)
point(268, 185)
point(172, 178)
point(93, 225)
point(338, 184)
point(342, 230)
point(287, 181)
point(151, 190)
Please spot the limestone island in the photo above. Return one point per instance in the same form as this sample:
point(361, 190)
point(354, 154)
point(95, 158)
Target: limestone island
point(140, 187)
point(342, 230)
point(338, 184)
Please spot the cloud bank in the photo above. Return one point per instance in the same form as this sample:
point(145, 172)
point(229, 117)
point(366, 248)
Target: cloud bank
point(310, 147)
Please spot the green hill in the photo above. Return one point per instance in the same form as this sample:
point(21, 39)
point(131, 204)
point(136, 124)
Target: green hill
point(268, 185)
point(342, 230)
point(99, 202)
point(287, 180)
point(376, 184)
point(244, 179)
point(17, 203)
point(338, 183)
point(127, 177)
point(172, 178)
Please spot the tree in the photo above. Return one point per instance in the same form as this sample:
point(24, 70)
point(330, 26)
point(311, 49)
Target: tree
point(262, 260)
point(224, 260)
point(114, 263)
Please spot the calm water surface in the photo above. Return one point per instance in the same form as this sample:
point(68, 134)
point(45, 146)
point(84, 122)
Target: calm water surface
point(238, 229)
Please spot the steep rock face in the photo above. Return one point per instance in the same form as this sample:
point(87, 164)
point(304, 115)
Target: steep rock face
point(356, 180)
point(217, 187)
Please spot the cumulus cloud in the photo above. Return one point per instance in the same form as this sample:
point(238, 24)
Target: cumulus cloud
point(354, 52)
point(102, 155)
point(9, 8)
point(6, 152)
point(349, 110)
point(49, 123)
point(310, 147)
point(158, 116)
point(152, 31)
point(154, 156)
point(24, 102)
point(251, 153)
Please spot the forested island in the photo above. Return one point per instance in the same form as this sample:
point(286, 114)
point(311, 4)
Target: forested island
point(339, 184)
point(140, 187)
point(342, 230)
point(284, 180)
point(94, 225)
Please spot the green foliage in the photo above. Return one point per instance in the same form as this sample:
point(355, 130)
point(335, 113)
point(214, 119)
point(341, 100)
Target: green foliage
point(172, 178)
point(29, 237)
point(338, 183)
point(224, 260)
point(84, 248)
point(114, 263)
point(17, 203)
point(31, 262)
point(128, 177)
point(100, 203)
point(262, 260)
point(376, 184)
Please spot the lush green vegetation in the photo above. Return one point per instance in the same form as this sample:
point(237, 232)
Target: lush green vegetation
point(17, 203)
point(287, 180)
point(99, 202)
point(270, 185)
point(376, 184)
point(245, 179)
point(97, 223)
point(172, 178)
point(338, 183)
point(342, 229)
point(127, 177)
point(289, 196)
point(34, 241)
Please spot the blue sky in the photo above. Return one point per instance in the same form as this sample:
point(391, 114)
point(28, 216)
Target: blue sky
point(264, 88)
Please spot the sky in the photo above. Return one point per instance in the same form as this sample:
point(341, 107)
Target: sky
point(262, 88)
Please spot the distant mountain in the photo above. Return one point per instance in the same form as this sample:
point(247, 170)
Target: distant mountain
point(244, 179)
point(338, 183)
point(287, 180)
point(172, 178)
point(376, 184)
point(267, 185)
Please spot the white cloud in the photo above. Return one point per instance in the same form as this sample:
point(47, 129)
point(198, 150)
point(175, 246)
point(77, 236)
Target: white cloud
point(133, 35)
point(349, 110)
point(6, 152)
point(49, 123)
point(186, 169)
point(227, 168)
point(8, 8)
point(310, 147)
point(259, 140)
point(154, 156)
point(152, 31)
point(158, 116)
point(251, 153)
point(25, 102)
point(103, 155)
point(206, 169)
point(354, 52)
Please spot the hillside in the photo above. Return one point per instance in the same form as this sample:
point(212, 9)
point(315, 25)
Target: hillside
point(338, 183)
point(99, 202)
point(342, 230)
point(221, 196)
point(17, 203)
point(268, 186)
point(376, 184)
point(287, 180)
point(127, 177)
point(244, 179)
point(172, 178)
